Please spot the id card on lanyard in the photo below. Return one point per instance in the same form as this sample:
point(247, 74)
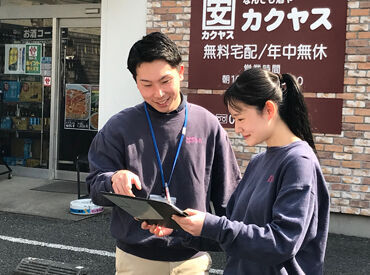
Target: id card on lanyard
point(166, 184)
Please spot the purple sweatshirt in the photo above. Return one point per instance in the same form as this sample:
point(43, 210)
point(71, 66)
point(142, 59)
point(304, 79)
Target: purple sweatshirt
point(277, 219)
point(206, 170)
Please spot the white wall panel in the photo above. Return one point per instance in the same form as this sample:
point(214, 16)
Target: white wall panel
point(123, 22)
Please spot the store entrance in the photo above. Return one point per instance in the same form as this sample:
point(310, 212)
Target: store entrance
point(49, 86)
point(25, 67)
point(78, 94)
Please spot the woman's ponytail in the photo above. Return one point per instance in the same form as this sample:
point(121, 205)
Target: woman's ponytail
point(293, 109)
point(255, 86)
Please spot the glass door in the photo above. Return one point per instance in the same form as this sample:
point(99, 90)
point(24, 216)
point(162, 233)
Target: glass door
point(78, 94)
point(25, 70)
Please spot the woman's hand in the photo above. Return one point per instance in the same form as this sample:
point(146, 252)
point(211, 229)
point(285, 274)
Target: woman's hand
point(193, 223)
point(159, 231)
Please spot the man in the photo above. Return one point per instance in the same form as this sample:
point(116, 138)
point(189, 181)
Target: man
point(163, 144)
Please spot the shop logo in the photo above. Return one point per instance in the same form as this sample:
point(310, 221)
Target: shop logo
point(270, 179)
point(218, 14)
point(32, 51)
point(193, 140)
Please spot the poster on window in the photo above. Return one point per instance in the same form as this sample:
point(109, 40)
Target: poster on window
point(14, 58)
point(81, 107)
point(305, 38)
point(94, 108)
point(33, 59)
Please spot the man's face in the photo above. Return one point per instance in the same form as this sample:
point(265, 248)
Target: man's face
point(159, 84)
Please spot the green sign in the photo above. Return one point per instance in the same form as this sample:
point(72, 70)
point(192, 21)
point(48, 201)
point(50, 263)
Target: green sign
point(33, 58)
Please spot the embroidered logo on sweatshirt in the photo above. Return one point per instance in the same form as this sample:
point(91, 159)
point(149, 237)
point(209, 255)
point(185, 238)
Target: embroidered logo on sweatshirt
point(193, 140)
point(270, 179)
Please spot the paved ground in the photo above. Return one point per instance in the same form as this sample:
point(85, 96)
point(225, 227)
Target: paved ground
point(92, 233)
point(37, 224)
point(93, 245)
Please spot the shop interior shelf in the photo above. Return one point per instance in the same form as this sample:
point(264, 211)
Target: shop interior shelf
point(21, 102)
point(23, 131)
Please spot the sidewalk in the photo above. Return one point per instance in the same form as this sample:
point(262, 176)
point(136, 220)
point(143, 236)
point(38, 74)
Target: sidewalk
point(16, 196)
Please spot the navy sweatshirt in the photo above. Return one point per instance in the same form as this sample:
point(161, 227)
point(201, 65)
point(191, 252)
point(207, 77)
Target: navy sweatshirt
point(277, 219)
point(206, 170)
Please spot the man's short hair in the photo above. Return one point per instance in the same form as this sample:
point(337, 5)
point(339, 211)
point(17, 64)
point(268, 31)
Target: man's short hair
point(151, 47)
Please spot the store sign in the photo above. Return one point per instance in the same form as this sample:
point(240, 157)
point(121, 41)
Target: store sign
point(81, 107)
point(46, 66)
point(33, 59)
point(305, 38)
point(47, 81)
point(215, 104)
point(41, 33)
point(37, 33)
point(325, 115)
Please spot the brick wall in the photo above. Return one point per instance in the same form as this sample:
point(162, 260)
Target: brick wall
point(345, 158)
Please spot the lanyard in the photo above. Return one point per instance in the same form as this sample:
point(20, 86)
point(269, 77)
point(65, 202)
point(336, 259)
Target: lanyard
point(183, 132)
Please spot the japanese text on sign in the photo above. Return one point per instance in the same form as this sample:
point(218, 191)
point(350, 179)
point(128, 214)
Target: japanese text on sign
point(33, 33)
point(219, 18)
point(250, 51)
point(305, 38)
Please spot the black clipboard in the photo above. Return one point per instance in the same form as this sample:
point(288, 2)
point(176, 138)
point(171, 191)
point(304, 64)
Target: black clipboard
point(151, 211)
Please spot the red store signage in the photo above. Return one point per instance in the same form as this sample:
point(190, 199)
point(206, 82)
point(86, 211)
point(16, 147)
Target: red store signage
point(325, 115)
point(302, 37)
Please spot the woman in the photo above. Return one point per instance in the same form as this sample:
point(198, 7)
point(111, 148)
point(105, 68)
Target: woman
point(277, 219)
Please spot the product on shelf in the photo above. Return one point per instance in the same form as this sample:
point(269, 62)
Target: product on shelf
point(6, 123)
point(32, 162)
point(10, 90)
point(20, 123)
point(31, 91)
point(27, 152)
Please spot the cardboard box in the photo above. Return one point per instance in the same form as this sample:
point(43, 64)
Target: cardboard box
point(20, 123)
point(36, 127)
point(32, 162)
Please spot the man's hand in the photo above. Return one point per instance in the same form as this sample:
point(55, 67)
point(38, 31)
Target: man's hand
point(157, 230)
point(193, 223)
point(122, 182)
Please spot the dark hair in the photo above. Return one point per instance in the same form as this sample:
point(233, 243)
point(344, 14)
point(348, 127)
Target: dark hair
point(153, 46)
point(256, 86)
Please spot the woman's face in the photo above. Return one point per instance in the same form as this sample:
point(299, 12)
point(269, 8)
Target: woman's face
point(252, 124)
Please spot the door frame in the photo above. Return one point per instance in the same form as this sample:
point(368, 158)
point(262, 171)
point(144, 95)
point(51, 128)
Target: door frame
point(70, 15)
point(55, 105)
